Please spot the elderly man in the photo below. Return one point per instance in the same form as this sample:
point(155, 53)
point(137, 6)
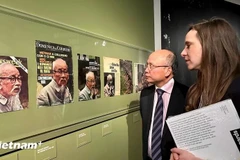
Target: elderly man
point(89, 91)
point(56, 92)
point(109, 90)
point(10, 87)
point(165, 98)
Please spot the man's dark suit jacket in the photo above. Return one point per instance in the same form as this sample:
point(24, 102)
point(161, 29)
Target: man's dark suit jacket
point(176, 106)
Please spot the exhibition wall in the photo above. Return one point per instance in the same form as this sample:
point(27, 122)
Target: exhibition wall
point(35, 35)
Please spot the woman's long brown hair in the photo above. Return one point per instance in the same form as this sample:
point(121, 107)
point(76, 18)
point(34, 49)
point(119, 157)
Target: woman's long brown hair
point(220, 62)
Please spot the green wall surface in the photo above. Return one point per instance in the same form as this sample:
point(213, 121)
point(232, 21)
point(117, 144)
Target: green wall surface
point(123, 143)
point(126, 27)
point(128, 21)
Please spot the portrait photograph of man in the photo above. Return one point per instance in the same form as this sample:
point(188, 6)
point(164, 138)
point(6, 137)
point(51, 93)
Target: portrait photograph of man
point(88, 77)
point(112, 76)
point(55, 80)
point(109, 88)
point(13, 84)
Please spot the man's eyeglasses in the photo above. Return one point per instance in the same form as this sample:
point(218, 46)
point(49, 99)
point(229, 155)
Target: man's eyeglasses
point(60, 71)
point(13, 79)
point(151, 66)
point(91, 81)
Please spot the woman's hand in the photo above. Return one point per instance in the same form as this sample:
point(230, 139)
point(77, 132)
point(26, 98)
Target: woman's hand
point(174, 156)
point(179, 154)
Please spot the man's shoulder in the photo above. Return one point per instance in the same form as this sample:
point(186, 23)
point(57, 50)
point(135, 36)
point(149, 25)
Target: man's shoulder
point(148, 90)
point(180, 85)
point(183, 88)
point(106, 86)
point(46, 89)
point(82, 97)
point(234, 86)
point(83, 90)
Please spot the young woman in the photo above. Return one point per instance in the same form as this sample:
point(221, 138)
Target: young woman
point(212, 48)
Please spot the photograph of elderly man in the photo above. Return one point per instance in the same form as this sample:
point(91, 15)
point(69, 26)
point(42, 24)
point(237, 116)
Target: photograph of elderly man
point(89, 84)
point(13, 87)
point(57, 91)
point(109, 88)
point(89, 91)
point(54, 74)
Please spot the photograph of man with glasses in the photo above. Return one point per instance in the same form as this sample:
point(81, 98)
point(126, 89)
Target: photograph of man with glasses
point(89, 91)
point(56, 92)
point(10, 87)
point(88, 77)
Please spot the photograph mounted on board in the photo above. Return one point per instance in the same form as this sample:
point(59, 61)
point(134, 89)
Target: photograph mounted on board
point(126, 77)
point(54, 74)
point(111, 71)
point(109, 81)
point(13, 84)
point(89, 84)
point(140, 79)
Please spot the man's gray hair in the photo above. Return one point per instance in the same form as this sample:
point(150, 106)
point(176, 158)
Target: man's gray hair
point(5, 65)
point(109, 77)
point(172, 61)
point(57, 61)
point(89, 74)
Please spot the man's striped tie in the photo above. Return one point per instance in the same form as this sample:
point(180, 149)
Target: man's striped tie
point(157, 127)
